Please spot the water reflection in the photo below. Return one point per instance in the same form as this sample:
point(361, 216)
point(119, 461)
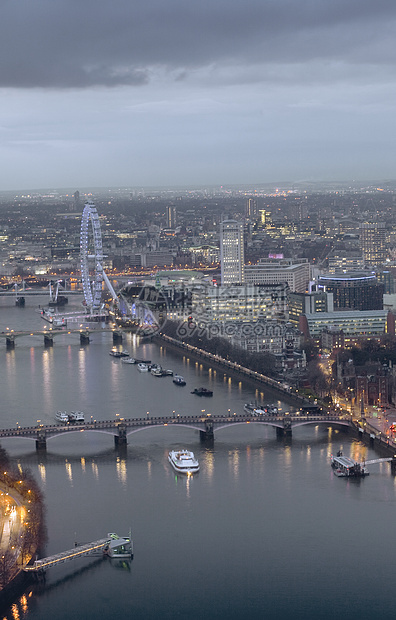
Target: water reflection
point(69, 471)
point(234, 463)
point(95, 470)
point(121, 470)
point(42, 472)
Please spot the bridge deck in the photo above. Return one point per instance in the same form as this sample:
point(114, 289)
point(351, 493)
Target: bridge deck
point(70, 554)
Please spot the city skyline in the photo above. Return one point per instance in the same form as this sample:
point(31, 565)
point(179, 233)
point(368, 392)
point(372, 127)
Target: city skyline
point(204, 94)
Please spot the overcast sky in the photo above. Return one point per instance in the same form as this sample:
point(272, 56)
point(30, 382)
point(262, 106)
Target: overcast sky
point(187, 92)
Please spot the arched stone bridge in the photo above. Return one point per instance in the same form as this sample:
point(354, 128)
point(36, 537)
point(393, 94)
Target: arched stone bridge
point(206, 425)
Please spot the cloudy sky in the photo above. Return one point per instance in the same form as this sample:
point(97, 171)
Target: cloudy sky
point(187, 92)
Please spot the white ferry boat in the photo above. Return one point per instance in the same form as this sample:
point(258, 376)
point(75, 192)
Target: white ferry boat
point(76, 416)
point(183, 461)
point(253, 409)
point(62, 416)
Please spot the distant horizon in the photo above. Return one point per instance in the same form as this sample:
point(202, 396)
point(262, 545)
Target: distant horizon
point(298, 185)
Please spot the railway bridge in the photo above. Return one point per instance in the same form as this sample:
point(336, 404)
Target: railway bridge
point(207, 426)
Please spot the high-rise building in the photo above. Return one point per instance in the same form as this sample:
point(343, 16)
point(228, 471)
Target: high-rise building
point(251, 208)
point(372, 242)
point(232, 255)
point(170, 216)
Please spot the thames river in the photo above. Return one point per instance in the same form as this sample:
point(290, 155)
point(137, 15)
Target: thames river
point(265, 530)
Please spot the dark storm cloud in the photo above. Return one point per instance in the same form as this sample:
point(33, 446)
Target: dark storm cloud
point(79, 44)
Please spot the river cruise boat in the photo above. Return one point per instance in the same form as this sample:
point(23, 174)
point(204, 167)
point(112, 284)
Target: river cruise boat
point(202, 392)
point(253, 409)
point(62, 416)
point(76, 416)
point(183, 461)
point(178, 380)
point(344, 467)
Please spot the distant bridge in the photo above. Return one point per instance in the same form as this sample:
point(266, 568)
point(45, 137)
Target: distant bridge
point(49, 334)
point(206, 425)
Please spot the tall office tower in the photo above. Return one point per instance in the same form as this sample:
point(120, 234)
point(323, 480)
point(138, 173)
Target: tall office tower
point(171, 216)
point(76, 197)
point(232, 254)
point(372, 242)
point(251, 208)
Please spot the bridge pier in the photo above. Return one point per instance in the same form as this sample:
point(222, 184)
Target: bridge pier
point(286, 431)
point(393, 466)
point(207, 434)
point(48, 340)
point(10, 341)
point(41, 442)
point(121, 438)
point(117, 337)
point(84, 338)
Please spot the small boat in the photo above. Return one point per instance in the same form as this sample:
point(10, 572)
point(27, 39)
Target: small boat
point(76, 416)
point(202, 392)
point(156, 370)
point(128, 360)
point(116, 353)
point(183, 461)
point(178, 380)
point(142, 367)
point(62, 416)
point(253, 409)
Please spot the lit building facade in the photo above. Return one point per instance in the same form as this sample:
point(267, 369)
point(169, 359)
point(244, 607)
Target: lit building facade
point(171, 216)
point(232, 255)
point(354, 291)
point(355, 324)
point(295, 272)
point(239, 303)
point(308, 303)
point(372, 242)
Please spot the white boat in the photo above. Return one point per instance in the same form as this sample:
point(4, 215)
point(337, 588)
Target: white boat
point(142, 367)
point(76, 416)
point(128, 360)
point(183, 461)
point(178, 380)
point(156, 370)
point(253, 409)
point(62, 416)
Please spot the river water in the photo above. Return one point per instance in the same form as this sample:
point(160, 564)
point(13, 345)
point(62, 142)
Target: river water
point(265, 530)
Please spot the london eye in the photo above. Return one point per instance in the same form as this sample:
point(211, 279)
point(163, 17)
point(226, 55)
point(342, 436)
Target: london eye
point(91, 253)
